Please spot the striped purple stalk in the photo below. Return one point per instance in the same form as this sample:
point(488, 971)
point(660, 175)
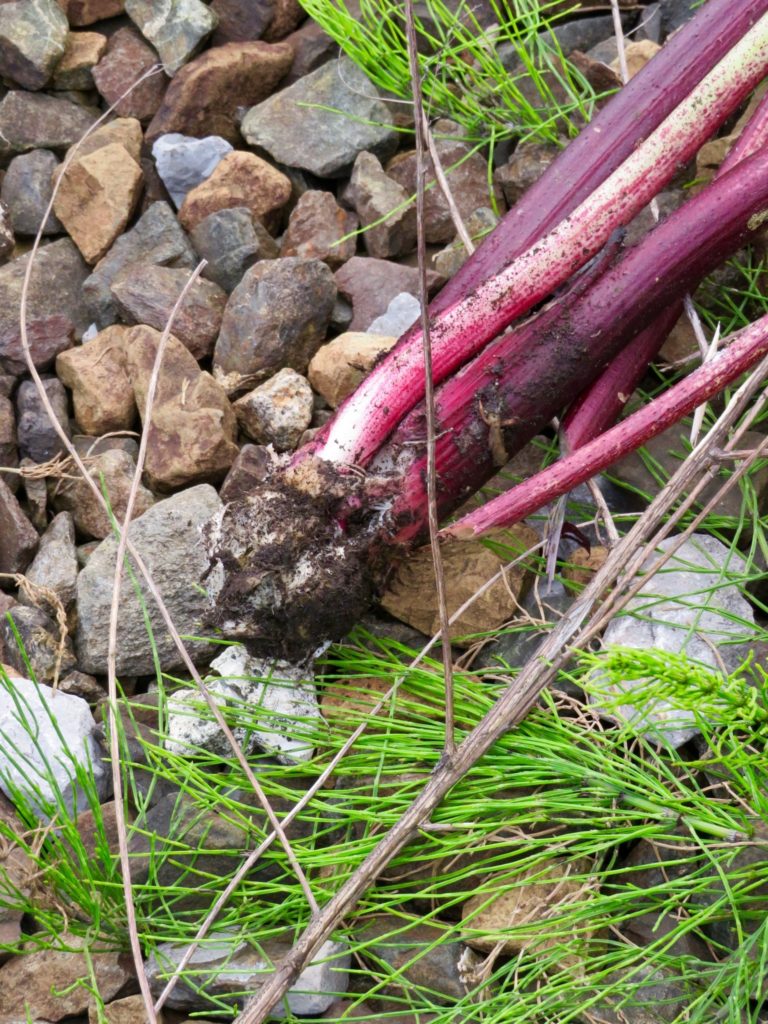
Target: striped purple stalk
point(491, 407)
point(364, 421)
point(704, 383)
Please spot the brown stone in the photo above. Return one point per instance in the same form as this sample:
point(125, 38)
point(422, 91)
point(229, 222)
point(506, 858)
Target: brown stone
point(337, 368)
point(638, 54)
point(315, 229)
point(128, 57)
point(240, 179)
point(467, 566)
point(47, 336)
point(582, 564)
point(86, 12)
point(312, 48)
point(241, 20)
point(101, 391)
point(467, 175)
point(123, 131)
point(148, 294)
point(9, 452)
point(370, 285)
point(82, 52)
point(193, 428)
point(97, 197)
point(288, 15)
point(384, 209)
point(524, 167)
point(205, 94)
point(112, 469)
point(130, 1010)
point(18, 538)
point(45, 982)
point(278, 411)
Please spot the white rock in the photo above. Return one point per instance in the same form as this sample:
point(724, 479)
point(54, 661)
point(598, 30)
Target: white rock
point(184, 162)
point(226, 964)
point(44, 737)
point(278, 411)
point(275, 694)
point(401, 313)
point(688, 607)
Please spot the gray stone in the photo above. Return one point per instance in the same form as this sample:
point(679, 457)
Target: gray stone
point(675, 13)
point(524, 167)
point(55, 564)
point(323, 121)
point(278, 696)
point(39, 121)
point(370, 285)
point(183, 162)
point(38, 439)
point(650, 23)
point(231, 241)
point(168, 539)
point(384, 209)
point(39, 649)
point(7, 237)
point(148, 294)
point(688, 607)
point(26, 190)
point(157, 238)
point(176, 28)
point(18, 538)
point(403, 311)
point(62, 729)
point(278, 411)
point(478, 225)
point(225, 966)
point(277, 316)
point(32, 38)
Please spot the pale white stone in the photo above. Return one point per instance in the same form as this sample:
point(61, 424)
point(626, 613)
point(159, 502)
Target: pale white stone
point(184, 162)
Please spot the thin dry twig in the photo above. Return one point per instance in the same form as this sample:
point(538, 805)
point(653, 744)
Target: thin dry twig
point(429, 388)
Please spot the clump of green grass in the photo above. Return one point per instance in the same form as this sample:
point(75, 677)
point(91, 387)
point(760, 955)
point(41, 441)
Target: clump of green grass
point(564, 788)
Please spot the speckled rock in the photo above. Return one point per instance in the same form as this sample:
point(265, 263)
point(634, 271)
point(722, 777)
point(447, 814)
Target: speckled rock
point(204, 96)
point(156, 238)
point(147, 295)
point(524, 167)
point(294, 130)
point(193, 428)
point(384, 209)
point(231, 241)
point(168, 539)
point(101, 391)
point(241, 20)
point(337, 368)
point(278, 411)
point(18, 538)
point(240, 179)
point(128, 57)
point(9, 451)
point(316, 228)
point(422, 952)
point(33, 34)
point(176, 28)
point(113, 470)
point(96, 197)
point(37, 436)
point(39, 650)
point(184, 162)
point(55, 564)
point(277, 316)
point(453, 256)
point(39, 121)
point(7, 237)
point(82, 52)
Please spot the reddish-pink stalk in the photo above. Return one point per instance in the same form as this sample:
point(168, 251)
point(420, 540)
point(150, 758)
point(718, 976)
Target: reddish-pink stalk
point(365, 420)
point(498, 401)
point(602, 404)
point(704, 383)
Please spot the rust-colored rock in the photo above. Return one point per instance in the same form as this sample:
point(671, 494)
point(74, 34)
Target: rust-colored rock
point(337, 368)
point(467, 565)
point(128, 57)
point(101, 390)
point(18, 538)
point(205, 94)
point(315, 229)
point(97, 197)
point(193, 428)
point(287, 16)
point(638, 54)
point(82, 52)
point(240, 179)
point(86, 12)
point(123, 131)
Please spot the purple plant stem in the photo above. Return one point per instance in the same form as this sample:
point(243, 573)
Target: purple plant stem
point(704, 383)
point(602, 404)
point(492, 406)
point(364, 421)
